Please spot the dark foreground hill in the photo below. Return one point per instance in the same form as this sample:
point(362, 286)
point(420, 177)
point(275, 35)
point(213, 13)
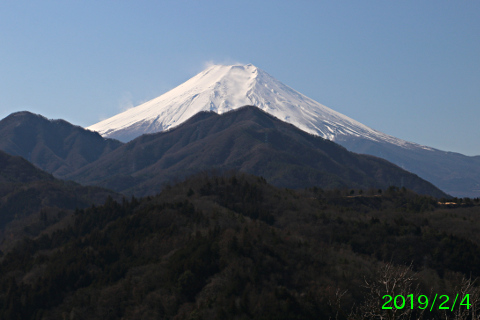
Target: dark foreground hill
point(248, 140)
point(55, 146)
point(234, 247)
point(32, 200)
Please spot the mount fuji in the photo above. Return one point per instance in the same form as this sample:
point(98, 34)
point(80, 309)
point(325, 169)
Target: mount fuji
point(221, 88)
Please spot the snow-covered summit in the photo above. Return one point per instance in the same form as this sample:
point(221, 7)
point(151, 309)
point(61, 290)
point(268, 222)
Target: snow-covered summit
point(221, 88)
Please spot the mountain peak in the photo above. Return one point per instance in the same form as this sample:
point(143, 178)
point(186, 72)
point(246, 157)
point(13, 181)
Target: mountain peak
point(26, 114)
point(221, 88)
point(248, 67)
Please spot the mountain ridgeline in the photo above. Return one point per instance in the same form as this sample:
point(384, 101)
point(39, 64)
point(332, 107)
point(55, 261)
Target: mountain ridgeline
point(249, 140)
point(55, 146)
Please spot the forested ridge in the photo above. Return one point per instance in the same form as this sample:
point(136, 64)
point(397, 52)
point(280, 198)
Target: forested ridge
point(231, 246)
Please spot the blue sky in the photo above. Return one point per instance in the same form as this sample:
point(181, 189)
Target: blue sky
point(410, 69)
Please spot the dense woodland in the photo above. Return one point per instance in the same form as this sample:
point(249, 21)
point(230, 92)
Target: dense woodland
point(231, 246)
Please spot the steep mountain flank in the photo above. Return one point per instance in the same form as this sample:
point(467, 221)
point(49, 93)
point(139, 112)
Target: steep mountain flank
point(55, 146)
point(249, 140)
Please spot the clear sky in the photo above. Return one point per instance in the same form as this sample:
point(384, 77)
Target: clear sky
point(410, 69)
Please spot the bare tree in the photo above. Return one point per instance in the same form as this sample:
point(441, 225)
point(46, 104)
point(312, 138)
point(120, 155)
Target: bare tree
point(334, 301)
point(469, 294)
point(381, 299)
point(390, 293)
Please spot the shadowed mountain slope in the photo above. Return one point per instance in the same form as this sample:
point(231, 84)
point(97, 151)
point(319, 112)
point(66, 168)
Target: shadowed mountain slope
point(455, 173)
point(31, 199)
point(15, 169)
point(247, 139)
point(55, 146)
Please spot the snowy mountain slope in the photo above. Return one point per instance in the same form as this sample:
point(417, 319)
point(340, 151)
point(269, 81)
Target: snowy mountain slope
point(222, 88)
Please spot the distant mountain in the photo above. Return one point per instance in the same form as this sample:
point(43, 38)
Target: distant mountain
point(455, 173)
point(249, 140)
point(222, 88)
point(55, 146)
point(28, 195)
